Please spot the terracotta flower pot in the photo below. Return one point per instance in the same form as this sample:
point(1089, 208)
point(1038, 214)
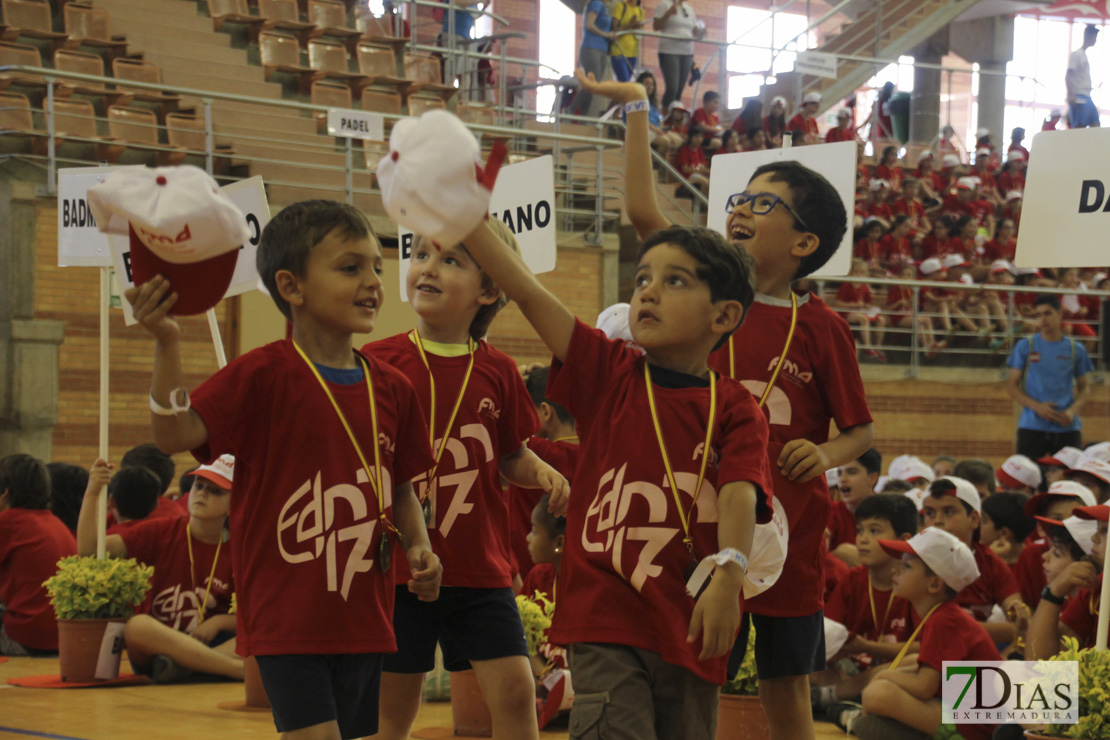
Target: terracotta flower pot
point(252, 685)
point(741, 718)
point(79, 648)
point(468, 707)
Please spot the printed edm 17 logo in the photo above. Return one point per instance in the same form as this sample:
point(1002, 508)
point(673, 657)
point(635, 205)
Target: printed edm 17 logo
point(990, 692)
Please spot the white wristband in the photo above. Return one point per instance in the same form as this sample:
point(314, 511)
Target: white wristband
point(635, 106)
point(705, 568)
point(731, 555)
point(175, 407)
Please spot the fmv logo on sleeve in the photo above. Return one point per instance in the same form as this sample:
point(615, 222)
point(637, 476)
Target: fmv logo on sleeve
point(1011, 691)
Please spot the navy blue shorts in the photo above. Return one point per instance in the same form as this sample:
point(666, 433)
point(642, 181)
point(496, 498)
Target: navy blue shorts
point(307, 690)
point(1082, 113)
point(784, 646)
point(468, 623)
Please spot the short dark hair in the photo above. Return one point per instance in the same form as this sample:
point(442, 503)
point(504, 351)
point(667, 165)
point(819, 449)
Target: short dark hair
point(290, 236)
point(947, 222)
point(1060, 536)
point(1090, 30)
point(895, 508)
point(536, 383)
point(896, 485)
point(871, 460)
point(1047, 299)
point(726, 268)
point(26, 480)
point(941, 488)
point(555, 525)
point(709, 97)
point(977, 473)
point(185, 483)
point(819, 205)
point(153, 459)
point(1007, 509)
point(135, 491)
point(67, 490)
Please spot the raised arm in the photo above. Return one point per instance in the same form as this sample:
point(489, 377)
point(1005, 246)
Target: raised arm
point(550, 318)
point(99, 476)
point(639, 182)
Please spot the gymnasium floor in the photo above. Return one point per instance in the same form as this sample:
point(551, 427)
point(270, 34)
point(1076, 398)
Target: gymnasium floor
point(163, 712)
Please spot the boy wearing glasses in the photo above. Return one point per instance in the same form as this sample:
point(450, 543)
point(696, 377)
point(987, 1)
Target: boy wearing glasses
point(791, 220)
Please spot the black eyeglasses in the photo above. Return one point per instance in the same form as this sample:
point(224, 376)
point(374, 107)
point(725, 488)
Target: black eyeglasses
point(762, 204)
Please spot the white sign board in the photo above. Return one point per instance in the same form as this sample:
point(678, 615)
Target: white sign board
point(356, 124)
point(250, 197)
point(837, 162)
point(816, 63)
point(80, 243)
point(1066, 213)
point(524, 199)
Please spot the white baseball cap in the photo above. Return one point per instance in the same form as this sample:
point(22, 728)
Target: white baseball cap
point(1014, 195)
point(967, 183)
point(911, 469)
point(980, 133)
point(982, 152)
point(432, 179)
point(778, 100)
point(1092, 465)
point(942, 552)
point(1100, 451)
point(878, 184)
point(1016, 155)
point(1065, 457)
point(614, 322)
point(813, 97)
point(1017, 471)
point(965, 491)
point(950, 160)
point(881, 483)
point(917, 496)
point(931, 265)
point(843, 113)
point(1036, 503)
point(181, 226)
point(955, 260)
point(1081, 530)
point(221, 471)
point(1003, 266)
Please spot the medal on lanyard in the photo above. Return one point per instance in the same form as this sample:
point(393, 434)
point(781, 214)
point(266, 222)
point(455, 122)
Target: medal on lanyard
point(385, 551)
point(782, 357)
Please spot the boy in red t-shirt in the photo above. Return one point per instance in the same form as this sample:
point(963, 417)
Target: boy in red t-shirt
point(480, 417)
point(706, 117)
point(183, 626)
point(853, 301)
point(1057, 504)
point(32, 541)
point(1004, 526)
point(935, 567)
point(878, 622)
point(855, 482)
point(133, 494)
point(320, 506)
point(953, 504)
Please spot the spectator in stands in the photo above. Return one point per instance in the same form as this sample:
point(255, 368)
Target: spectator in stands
point(943, 302)
point(67, 488)
point(998, 302)
point(1080, 312)
point(899, 313)
point(676, 55)
point(1012, 209)
point(951, 169)
point(706, 117)
point(895, 247)
point(1003, 246)
point(910, 206)
point(592, 55)
point(988, 189)
point(749, 118)
point(133, 494)
point(1082, 112)
point(947, 143)
point(677, 121)
point(877, 206)
point(967, 231)
point(883, 128)
point(730, 143)
point(853, 301)
point(664, 142)
point(942, 242)
point(624, 52)
point(463, 20)
point(1048, 376)
point(806, 119)
point(931, 182)
point(1050, 122)
point(1016, 137)
point(843, 130)
point(690, 159)
point(868, 247)
point(774, 123)
point(888, 168)
point(755, 140)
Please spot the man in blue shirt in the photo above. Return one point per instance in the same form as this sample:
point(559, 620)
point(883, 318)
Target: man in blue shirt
point(1054, 385)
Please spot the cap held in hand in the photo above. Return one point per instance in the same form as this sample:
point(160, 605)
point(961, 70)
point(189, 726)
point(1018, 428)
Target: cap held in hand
point(181, 226)
point(433, 181)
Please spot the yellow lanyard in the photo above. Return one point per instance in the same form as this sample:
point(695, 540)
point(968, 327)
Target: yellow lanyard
point(375, 481)
point(193, 577)
point(683, 515)
point(432, 411)
point(874, 615)
point(906, 647)
point(564, 439)
point(782, 357)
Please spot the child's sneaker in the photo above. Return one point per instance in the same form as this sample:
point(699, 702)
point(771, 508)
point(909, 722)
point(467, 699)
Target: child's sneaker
point(822, 697)
point(843, 714)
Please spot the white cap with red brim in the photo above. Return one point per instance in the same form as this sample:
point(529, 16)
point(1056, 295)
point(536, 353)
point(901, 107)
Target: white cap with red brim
point(964, 491)
point(1018, 471)
point(942, 552)
point(1081, 530)
point(220, 471)
point(1065, 457)
point(1036, 503)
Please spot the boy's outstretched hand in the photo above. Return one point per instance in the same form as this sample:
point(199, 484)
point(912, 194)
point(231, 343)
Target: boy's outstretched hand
point(99, 475)
point(426, 573)
point(151, 302)
point(552, 482)
point(622, 92)
point(716, 617)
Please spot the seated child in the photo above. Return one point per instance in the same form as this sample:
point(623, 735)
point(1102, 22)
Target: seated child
point(877, 621)
point(978, 473)
point(899, 312)
point(1079, 584)
point(690, 159)
point(32, 541)
point(1057, 504)
point(855, 482)
point(150, 457)
point(133, 494)
point(1055, 466)
point(935, 567)
point(184, 625)
point(1004, 526)
point(836, 570)
point(1019, 474)
point(67, 489)
point(953, 505)
point(854, 302)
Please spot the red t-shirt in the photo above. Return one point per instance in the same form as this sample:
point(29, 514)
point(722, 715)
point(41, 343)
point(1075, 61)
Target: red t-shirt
point(836, 570)
point(955, 208)
point(470, 509)
point(706, 119)
point(897, 293)
point(561, 455)
point(1081, 617)
point(167, 507)
point(178, 586)
point(865, 250)
point(1008, 181)
point(948, 635)
point(994, 250)
point(120, 528)
point(623, 571)
point(32, 541)
point(892, 174)
point(896, 250)
point(850, 605)
point(305, 517)
point(819, 383)
point(932, 247)
point(836, 134)
point(688, 158)
point(809, 125)
point(933, 179)
point(986, 179)
point(541, 578)
point(995, 584)
point(915, 209)
point(842, 524)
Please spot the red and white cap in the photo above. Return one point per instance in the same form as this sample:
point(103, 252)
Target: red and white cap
point(1100, 451)
point(432, 180)
point(1003, 266)
point(812, 97)
point(955, 260)
point(879, 184)
point(930, 266)
point(1018, 471)
point(1014, 195)
point(981, 132)
point(1093, 466)
point(965, 491)
point(1081, 530)
point(1016, 155)
point(1065, 457)
point(1036, 503)
point(926, 155)
point(181, 226)
point(967, 183)
point(911, 469)
point(614, 322)
point(950, 160)
point(945, 555)
point(220, 471)
point(982, 152)
point(1100, 513)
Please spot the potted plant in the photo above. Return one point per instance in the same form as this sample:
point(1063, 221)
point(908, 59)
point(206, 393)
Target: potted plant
point(1094, 695)
point(741, 715)
point(88, 595)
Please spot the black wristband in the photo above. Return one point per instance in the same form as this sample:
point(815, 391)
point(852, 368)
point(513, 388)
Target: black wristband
point(1051, 598)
